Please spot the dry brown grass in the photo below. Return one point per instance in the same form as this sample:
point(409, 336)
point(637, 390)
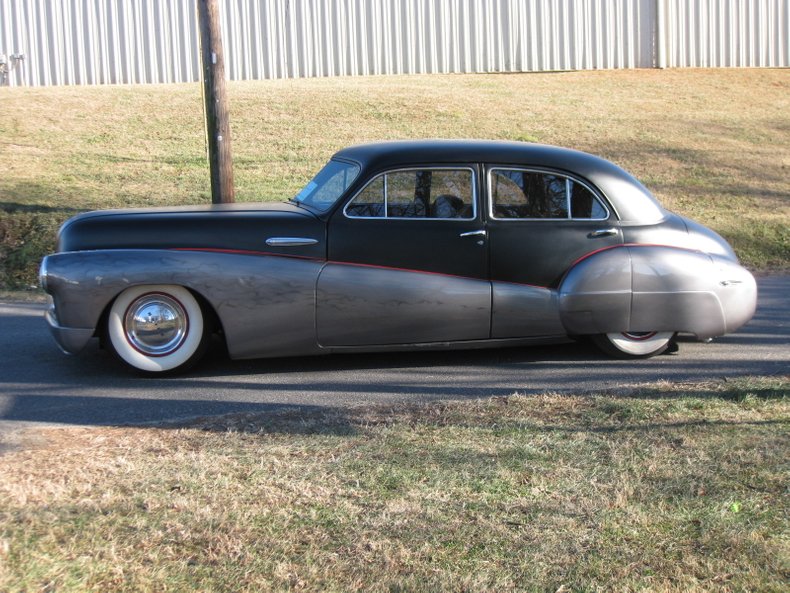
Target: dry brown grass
point(661, 488)
point(713, 144)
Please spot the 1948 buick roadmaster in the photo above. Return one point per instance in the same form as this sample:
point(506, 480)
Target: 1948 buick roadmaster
point(400, 245)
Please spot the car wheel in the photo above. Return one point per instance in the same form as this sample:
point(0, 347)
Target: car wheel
point(156, 329)
point(634, 344)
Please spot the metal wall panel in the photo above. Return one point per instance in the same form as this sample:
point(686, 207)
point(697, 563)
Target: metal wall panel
point(727, 33)
point(155, 41)
point(98, 41)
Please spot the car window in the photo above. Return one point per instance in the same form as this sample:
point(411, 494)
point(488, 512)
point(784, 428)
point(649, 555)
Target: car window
point(417, 193)
point(584, 204)
point(328, 185)
point(524, 194)
point(369, 203)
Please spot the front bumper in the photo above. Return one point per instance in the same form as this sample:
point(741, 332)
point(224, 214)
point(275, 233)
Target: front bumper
point(70, 339)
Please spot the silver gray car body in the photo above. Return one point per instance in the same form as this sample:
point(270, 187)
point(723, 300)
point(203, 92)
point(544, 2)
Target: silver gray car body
point(276, 290)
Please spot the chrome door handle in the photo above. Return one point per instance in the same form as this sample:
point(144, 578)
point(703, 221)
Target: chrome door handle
point(290, 241)
point(480, 233)
point(602, 233)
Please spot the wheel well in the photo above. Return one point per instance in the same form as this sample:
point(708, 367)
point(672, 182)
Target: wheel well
point(212, 320)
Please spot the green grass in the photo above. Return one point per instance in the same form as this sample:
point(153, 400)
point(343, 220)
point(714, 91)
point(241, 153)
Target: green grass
point(660, 488)
point(712, 144)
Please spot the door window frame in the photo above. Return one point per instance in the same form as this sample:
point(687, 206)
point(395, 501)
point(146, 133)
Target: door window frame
point(568, 177)
point(472, 169)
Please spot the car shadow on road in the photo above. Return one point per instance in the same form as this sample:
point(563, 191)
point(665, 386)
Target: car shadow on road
point(337, 384)
point(39, 385)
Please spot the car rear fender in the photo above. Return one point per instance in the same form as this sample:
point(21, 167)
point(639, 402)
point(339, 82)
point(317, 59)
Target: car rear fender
point(642, 288)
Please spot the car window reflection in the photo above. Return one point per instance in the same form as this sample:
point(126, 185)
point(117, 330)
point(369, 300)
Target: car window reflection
point(434, 193)
point(531, 195)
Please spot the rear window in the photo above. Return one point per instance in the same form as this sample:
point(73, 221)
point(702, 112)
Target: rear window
point(525, 194)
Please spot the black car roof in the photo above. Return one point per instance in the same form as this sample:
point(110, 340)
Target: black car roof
point(632, 201)
point(406, 152)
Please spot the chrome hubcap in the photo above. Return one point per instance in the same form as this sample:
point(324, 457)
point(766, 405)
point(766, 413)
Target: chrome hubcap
point(156, 324)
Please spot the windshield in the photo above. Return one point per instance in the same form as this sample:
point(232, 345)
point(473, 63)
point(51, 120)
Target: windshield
point(328, 185)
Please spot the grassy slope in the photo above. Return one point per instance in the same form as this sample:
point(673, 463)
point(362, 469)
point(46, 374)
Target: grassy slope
point(713, 144)
point(663, 488)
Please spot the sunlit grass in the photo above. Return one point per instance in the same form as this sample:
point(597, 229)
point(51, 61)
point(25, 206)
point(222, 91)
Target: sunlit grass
point(712, 144)
point(661, 488)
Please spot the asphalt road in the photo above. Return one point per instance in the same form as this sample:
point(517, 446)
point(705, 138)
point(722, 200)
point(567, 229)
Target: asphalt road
point(38, 384)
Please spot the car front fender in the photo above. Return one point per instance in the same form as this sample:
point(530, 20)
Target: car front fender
point(265, 303)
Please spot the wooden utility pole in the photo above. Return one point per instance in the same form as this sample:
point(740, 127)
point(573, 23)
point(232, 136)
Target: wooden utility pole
point(217, 117)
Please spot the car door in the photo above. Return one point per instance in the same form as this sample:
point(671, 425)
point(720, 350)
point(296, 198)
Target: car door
point(539, 223)
point(407, 262)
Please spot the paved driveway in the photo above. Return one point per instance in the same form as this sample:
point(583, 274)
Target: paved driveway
point(39, 384)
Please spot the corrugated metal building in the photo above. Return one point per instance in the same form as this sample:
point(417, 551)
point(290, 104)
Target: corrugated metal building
point(56, 42)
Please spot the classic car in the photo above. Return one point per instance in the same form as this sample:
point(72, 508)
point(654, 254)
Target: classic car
point(400, 245)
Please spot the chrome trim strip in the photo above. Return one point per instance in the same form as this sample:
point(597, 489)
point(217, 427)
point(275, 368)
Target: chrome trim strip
point(597, 194)
point(42, 275)
point(386, 194)
point(426, 168)
point(290, 241)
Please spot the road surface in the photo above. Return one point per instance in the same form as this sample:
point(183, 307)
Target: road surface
point(38, 384)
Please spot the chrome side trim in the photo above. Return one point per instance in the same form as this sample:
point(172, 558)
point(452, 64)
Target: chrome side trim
point(290, 241)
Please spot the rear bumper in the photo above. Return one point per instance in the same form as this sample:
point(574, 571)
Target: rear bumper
point(70, 339)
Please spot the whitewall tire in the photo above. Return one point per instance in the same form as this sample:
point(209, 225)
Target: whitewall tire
point(156, 328)
point(634, 344)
